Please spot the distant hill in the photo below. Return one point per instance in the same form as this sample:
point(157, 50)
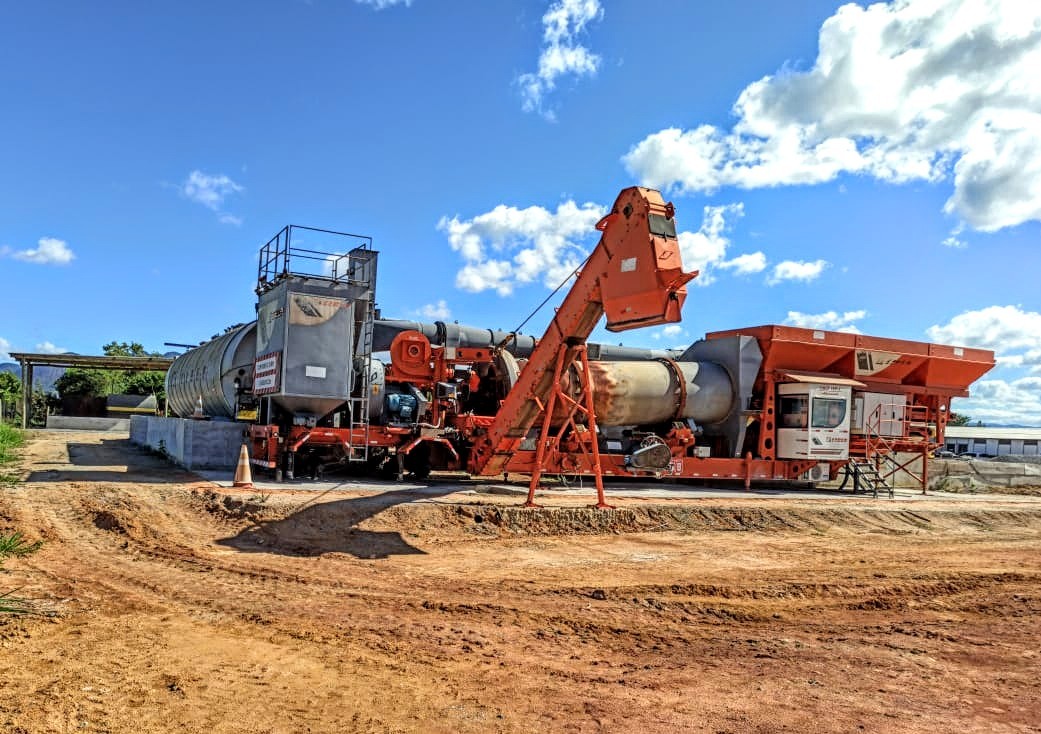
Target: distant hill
point(45, 377)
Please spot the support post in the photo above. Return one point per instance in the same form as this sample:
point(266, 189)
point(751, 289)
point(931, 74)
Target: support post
point(27, 392)
point(587, 396)
point(547, 417)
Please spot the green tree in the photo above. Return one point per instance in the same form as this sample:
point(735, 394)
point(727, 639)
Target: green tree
point(81, 383)
point(124, 349)
point(91, 383)
point(957, 419)
point(10, 394)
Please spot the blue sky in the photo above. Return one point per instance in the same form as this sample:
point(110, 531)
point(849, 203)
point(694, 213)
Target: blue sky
point(876, 169)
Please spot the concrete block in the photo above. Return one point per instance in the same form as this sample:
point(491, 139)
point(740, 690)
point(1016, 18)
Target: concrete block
point(192, 444)
point(1025, 481)
point(77, 423)
point(139, 430)
point(999, 469)
point(951, 467)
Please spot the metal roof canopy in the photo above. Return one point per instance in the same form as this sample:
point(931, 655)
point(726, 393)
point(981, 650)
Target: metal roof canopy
point(822, 379)
point(29, 360)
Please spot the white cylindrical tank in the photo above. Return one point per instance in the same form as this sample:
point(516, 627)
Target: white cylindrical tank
point(209, 372)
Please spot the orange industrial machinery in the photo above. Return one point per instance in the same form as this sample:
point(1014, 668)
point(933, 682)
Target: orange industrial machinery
point(766, 403)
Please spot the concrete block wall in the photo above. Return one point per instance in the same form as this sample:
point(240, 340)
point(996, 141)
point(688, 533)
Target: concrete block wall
point(190, 443)
point(958, 475)
point(76, 423)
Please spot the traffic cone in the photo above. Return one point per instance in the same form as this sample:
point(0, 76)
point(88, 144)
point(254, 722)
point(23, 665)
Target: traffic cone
point(243, 475)
point(198, 414)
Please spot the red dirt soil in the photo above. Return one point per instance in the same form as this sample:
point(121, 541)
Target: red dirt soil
point(180, 607)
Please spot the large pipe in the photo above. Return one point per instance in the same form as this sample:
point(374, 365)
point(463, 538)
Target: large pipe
point(652, 392)
point(520, 345)
point(646, 393)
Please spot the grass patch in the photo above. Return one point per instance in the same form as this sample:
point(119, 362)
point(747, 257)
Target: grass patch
point(10, 604)
point(14, 545)
point(10, 439)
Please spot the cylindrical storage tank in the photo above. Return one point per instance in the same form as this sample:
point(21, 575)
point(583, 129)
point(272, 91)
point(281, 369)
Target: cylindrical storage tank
point(210, 371)
point(647, 393)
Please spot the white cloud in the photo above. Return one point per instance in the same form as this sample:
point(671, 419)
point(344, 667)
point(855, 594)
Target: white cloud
point(753, 262)
point(797, 270)
point(384, 4)
point(1003, 401)
point(930, 90)
point(507, 246)
point(231, 219)
point(209, 190)
point(1003, 329)
point(708, 246)
point(670, 331)
point(49, 251)
point(5, 350)
point(953, 241)
point(438, 311)
point(561, 53)
point(1015, 337)
point(829, 320)
point(48, 348)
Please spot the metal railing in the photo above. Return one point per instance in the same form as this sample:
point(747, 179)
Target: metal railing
point(280, 257)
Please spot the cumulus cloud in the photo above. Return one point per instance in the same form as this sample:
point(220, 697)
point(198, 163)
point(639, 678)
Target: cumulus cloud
point(930, 90)
point(383, 4)
point(797, 270)
point(48, 348)
point(753, 262)
point(1003, 401)
point(208, 190)
point(706, 249)
point(562, 54)
point(507, 246)
point(1014, 335)
point(5, 350)
point(48, 251)
point(438, 311)
point(829, 320)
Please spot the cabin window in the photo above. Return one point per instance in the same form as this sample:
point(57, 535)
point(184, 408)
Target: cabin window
point(828, 412)
point(795, 411)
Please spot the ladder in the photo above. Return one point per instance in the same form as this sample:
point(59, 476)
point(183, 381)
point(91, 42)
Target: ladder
point(358, 448)
point(866, 477)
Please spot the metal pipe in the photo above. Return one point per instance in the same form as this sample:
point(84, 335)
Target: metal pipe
point(520, 345)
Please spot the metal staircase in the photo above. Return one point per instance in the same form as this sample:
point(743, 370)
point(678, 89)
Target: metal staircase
point(874, 457)
point(867, 477)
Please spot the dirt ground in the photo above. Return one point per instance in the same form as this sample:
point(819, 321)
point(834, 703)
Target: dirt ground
point(180, 607)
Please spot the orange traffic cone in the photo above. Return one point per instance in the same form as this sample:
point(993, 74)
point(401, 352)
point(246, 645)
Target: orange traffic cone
point(243, 475)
